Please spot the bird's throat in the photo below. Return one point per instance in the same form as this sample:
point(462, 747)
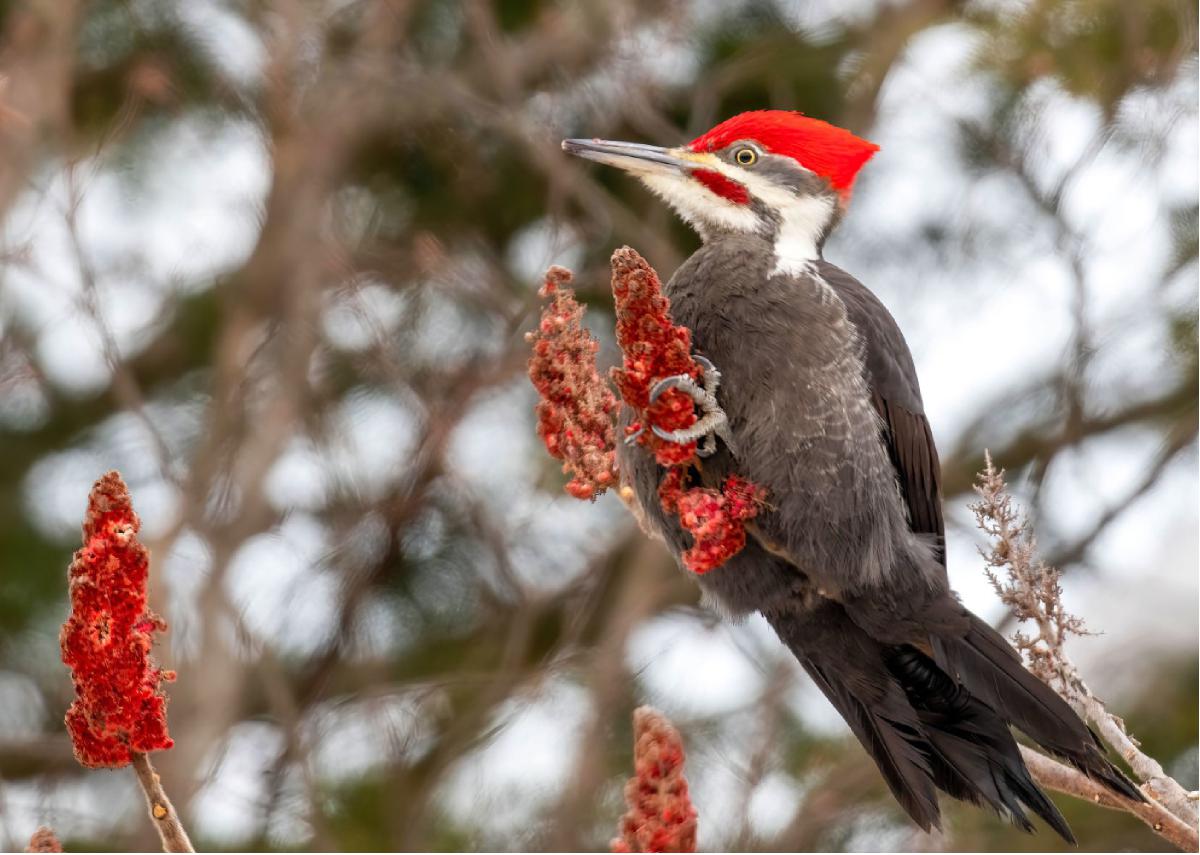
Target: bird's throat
point(803, 225)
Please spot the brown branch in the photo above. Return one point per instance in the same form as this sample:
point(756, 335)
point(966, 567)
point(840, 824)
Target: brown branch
point(166, 820)
point(883, 41)
point(639, 594)
point(1039, 440)
point(37, 61)
point(1178, 438)
point(1031, 589)
point(1156, 782)
point(768, 708)
point(125, 386)
point(1063, 779)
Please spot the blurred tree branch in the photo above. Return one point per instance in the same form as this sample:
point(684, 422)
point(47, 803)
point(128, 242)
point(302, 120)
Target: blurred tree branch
point(37, 62)
point(1176, 405)
point(883, 40)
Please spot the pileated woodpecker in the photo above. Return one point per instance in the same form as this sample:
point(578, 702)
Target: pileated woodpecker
point(821, 406)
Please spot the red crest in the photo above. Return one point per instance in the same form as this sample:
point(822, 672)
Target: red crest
point(830, 151)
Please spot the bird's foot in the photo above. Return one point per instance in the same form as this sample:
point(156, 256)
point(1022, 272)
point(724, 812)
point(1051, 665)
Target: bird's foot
point(712, 423)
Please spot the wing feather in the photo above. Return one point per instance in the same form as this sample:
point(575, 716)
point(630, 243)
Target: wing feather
point(896, 396)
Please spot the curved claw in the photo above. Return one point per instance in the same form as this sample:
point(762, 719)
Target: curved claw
point(683, 382)
point(713, 423)
point(712, 377)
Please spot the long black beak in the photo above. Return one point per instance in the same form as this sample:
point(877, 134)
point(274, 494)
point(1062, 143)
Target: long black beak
point(632, 157)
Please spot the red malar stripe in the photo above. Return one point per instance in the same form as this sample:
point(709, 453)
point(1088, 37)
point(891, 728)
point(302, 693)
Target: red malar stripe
point(723, 186)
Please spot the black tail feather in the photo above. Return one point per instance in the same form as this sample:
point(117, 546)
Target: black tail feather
point(993, 672)
point(923, 731)
point(892, 736)
point(977, 758)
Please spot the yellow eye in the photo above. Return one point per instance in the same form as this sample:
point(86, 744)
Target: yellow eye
point(746, 156)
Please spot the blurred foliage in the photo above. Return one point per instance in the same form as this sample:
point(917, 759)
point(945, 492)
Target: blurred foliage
point(1096, 49)
point(422, 136)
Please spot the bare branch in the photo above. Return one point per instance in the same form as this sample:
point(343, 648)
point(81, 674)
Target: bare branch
point(37, 60)
point(1031, 589)
point(1063, 779)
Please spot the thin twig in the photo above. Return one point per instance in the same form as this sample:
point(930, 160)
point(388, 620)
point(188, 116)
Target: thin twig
point(1031, 589)
point(1063, 779)
point(166, 820)
point(124, 382)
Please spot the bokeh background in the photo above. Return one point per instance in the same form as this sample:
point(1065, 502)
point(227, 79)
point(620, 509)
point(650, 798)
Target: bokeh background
point(273, 261)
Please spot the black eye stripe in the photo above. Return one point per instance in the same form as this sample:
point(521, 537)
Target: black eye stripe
point(786, 172)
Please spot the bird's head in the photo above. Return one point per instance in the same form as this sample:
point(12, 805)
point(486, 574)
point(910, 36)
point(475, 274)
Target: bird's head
point(775, 173)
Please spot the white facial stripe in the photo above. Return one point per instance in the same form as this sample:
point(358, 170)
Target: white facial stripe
point(698, 205)
point(800, 228)
point(802, 219)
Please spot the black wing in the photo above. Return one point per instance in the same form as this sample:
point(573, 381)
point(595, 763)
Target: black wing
point(896, 395)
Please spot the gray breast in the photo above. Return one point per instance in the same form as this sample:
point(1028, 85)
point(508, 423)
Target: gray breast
point(800, 413)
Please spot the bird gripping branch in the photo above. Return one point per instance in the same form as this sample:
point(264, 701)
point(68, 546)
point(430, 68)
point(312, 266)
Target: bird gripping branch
point(819, 406)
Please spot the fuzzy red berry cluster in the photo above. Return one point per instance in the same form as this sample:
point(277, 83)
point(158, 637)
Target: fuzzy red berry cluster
point(661, 817)
point(119, 705)
point(654, 347)
point(715, 520)
point(44, 840)
point(576, 411)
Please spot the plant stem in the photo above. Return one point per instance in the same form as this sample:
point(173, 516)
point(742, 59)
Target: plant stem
point(166, 820)
point(1055, 776)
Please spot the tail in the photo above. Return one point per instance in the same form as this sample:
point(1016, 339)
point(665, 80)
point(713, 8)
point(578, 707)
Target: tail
point(992, 671)
point(889, 729)
point(977, 760)
point(924, 732)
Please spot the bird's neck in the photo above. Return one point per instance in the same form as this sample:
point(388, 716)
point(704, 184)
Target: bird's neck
point(801, 228)
point(795, 231)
